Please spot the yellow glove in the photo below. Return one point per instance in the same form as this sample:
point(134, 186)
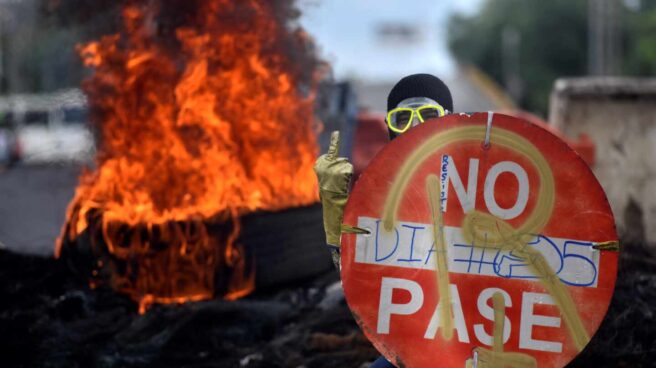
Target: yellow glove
point(334, 174)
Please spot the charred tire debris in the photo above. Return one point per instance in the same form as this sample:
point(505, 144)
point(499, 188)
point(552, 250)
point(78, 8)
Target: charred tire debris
point(50, 318)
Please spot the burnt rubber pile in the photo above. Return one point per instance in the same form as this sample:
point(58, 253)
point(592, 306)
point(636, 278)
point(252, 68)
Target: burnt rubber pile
point(48, 318)
point(627, 336)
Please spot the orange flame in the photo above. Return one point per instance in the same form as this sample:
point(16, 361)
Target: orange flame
point(206, 126)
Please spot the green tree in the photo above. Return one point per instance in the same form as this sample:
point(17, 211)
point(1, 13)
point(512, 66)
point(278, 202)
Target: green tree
point(640, 39)
point(553, 43)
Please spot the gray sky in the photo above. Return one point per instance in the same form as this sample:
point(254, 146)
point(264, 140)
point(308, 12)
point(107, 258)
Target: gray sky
point(347, 32)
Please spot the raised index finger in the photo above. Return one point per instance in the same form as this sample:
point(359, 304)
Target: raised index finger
point(333, 148)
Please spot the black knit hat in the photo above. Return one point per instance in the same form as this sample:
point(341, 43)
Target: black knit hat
point(420, 85)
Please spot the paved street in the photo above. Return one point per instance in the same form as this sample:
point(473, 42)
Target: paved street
point(33, 201)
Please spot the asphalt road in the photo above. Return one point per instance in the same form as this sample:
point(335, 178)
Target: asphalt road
point(33, 201)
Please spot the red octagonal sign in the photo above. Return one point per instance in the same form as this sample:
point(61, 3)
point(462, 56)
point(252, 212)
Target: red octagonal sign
point(481, 255)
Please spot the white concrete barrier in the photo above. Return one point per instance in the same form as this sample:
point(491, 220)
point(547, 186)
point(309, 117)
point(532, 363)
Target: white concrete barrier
point(619, 115)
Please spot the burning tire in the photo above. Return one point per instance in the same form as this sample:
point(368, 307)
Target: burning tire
point(203, 126)
point(272, 248)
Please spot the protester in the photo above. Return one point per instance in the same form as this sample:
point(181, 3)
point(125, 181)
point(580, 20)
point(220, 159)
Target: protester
point(412, 101)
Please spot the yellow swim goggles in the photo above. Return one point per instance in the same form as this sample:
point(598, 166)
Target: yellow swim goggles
point(400, 119)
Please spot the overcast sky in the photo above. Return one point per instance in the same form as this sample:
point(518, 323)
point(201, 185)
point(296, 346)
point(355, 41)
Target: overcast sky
point(349, 35)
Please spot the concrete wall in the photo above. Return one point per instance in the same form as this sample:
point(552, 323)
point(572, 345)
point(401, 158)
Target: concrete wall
point(619, 115)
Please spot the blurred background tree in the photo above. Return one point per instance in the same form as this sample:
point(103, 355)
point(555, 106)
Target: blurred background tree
point(524, 45)
point(640, 39)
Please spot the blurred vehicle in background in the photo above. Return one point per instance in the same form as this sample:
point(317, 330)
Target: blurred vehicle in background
point(49, 127)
